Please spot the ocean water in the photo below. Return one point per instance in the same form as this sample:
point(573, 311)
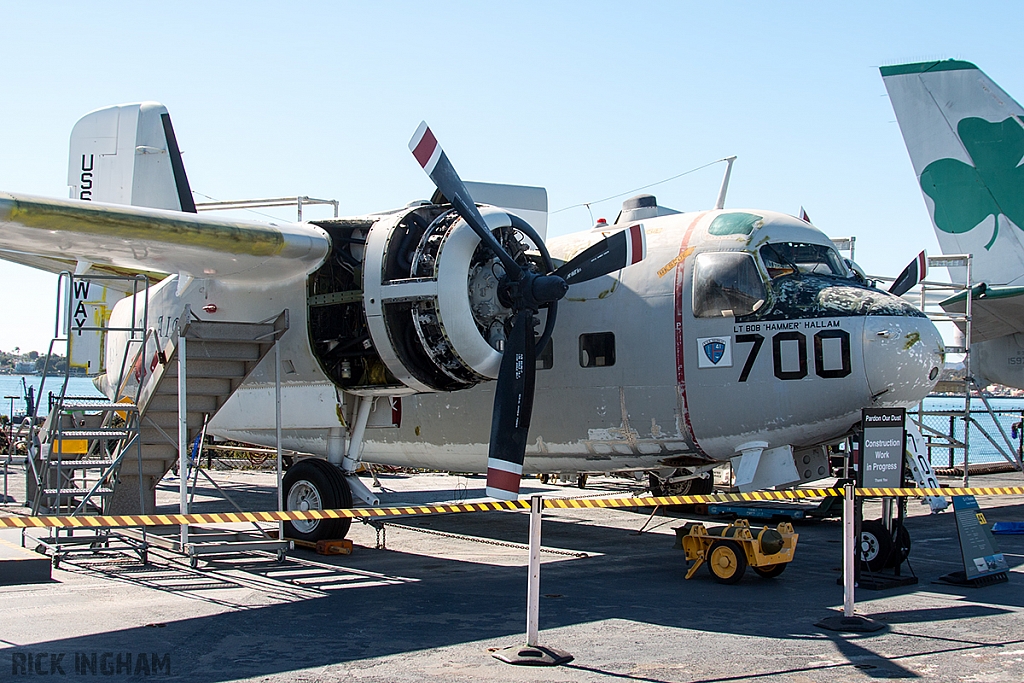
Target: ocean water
point(1008, 412)
point(16, 385)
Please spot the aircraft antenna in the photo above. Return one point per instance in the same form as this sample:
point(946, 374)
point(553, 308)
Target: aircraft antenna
point(720, 204)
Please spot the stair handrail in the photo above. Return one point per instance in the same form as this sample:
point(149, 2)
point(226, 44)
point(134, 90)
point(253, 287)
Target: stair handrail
point(50, 430)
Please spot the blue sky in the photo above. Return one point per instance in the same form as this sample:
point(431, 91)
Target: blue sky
point(587, 99)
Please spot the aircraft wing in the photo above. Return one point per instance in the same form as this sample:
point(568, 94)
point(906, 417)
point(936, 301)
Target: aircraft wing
point(58, 234)
point(995, 311)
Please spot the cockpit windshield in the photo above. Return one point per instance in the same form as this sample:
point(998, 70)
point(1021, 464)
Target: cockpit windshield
point(725, 284)
point(789, 258)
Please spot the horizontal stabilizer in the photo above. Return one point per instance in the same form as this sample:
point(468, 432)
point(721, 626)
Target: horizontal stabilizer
point(995, 311)
point(131, 240)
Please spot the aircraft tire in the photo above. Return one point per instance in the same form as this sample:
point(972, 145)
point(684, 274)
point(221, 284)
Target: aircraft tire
point(726, 561)
point(700, 486)
point(901, 549)
point(770, 571)
point(312, 483)
point(876, 546)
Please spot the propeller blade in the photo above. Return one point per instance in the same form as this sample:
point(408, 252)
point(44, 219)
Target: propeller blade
point(425, 147)
point(513, 406)
point(613, 253)
point(915, 271)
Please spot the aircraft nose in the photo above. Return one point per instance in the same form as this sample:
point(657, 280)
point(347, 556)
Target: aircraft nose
point(903, 357)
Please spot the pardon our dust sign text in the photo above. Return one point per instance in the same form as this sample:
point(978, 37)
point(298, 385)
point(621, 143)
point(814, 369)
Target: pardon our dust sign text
point(31, 663)
point(883, 446)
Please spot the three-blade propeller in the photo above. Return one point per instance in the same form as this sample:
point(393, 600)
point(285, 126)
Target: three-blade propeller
point(528, 290)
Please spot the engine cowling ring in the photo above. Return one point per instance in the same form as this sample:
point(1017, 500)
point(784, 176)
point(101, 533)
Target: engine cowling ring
point(418, 302)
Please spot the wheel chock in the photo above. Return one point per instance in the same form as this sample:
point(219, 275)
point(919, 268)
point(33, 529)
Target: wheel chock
point(341, 546)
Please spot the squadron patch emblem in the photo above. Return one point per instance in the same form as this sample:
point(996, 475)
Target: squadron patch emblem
point(714, 352)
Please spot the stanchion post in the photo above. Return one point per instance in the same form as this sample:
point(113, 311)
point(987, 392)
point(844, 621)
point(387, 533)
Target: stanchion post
point(849, 551)
point(533, 583)
point(849, 622)
point(533, 653)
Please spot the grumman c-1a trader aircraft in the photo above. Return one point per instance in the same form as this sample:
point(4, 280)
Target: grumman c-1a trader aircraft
point(682, 340)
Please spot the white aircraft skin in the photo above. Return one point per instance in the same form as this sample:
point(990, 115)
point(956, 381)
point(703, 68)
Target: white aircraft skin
point(782, 357)
point(634, 414)
point(965, 136)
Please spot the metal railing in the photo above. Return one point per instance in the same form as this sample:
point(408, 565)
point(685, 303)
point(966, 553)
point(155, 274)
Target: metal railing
point(297, 202)
point(51, 429)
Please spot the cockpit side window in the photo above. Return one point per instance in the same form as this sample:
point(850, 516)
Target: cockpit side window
point(787, 258)
point(726, 284)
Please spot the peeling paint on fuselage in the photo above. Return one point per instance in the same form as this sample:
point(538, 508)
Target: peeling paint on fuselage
point(583, 415)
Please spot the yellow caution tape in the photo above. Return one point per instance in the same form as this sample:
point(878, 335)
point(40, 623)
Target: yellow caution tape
point(110, 521)
point(946, 491)
point(649, 501)
point(114, 521)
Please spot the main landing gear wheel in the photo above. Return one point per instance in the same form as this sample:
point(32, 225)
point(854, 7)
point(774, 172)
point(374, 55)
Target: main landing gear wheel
point(876, 547)
point(726, 561)
point(314, 484)
point(701, 486)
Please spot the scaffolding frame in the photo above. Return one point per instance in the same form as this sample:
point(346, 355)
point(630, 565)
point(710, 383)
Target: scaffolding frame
point(1011, 452)
point(297, 202)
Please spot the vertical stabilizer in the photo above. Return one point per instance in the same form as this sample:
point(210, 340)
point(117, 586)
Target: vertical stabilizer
point(966, 142)
point(127, 154)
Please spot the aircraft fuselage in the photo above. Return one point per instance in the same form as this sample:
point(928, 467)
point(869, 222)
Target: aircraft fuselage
point(642, 371)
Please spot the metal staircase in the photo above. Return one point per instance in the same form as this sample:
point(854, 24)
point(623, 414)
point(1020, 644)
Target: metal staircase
point(83, 445)
point(216, 357)
point(92, 455)
point(76, 453)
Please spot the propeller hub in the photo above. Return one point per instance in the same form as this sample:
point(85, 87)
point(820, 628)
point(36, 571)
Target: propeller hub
point(548, 288)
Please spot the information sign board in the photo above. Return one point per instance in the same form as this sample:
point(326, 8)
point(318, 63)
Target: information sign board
point(882, 447)
point(978, 546)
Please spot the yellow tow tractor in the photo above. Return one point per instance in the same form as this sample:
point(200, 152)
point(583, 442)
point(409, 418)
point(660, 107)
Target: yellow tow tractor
point(728, 550)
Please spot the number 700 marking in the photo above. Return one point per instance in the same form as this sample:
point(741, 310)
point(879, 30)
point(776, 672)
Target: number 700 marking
point(819, 355)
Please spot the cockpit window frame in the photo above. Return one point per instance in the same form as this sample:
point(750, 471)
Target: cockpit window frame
point(832, 259)
point(708, 296)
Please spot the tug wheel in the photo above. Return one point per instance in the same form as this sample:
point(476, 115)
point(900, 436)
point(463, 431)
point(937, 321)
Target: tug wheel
point(770, 571)
point(314, 484)
point(726, 561)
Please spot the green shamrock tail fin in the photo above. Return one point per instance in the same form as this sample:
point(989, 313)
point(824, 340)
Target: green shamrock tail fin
point(965, 137)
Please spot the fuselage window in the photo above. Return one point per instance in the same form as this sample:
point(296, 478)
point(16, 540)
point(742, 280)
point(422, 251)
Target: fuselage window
point(726, 284)
point(597, 350)
point(788, 258)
